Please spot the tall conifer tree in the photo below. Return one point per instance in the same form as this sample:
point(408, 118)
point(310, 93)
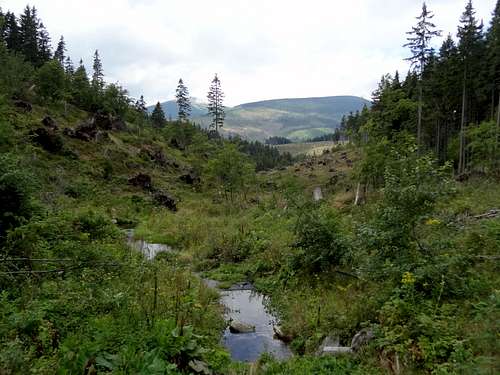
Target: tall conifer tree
point(469, 34)
point(493, 44)
point(28, 35)
point(68, 66)
point(215, 104)
point(158, 116)
point(98, 74)
point(11, 32)
point(419, 43)
point(183, 101)
point(44, 48)
point(60, 51)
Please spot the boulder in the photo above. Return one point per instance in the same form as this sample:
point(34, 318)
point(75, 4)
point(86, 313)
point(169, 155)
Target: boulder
point(50, 123)
point(280, 335)
point(48, 139)
point(240, 327)
point(166, 200)
point(142, 180)
point(200, 367)
point(330, 346)
point(25, 106)
point(361, 339)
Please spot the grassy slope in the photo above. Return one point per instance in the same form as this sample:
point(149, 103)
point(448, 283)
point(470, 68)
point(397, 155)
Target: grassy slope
point(306, 148)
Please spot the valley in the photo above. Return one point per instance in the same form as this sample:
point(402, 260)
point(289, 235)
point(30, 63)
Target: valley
point(297, 119)
point(362, 238)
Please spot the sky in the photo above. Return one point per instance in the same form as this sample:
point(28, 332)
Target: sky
point(260, 49)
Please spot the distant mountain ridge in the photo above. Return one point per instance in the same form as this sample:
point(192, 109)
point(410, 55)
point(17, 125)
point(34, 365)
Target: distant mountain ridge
point(294, 118)
point(170, 108)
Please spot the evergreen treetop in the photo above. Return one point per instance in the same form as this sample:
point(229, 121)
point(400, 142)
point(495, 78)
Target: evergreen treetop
point(215, 104)
point(183, 101)
point(158, 116)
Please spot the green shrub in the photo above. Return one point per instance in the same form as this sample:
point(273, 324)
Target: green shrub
point(16, 203)
point(320, 244)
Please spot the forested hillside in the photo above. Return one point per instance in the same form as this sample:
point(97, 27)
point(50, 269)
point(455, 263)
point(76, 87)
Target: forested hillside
point(379, 256)
point(298, 118)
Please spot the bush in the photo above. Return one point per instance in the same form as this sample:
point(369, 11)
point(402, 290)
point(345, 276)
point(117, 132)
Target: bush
point(51, 81)
point(413, 185)
point(320, 243)
point(16, 204)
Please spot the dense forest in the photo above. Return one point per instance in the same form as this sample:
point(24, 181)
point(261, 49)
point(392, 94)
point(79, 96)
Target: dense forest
point(384, 248)
point(450, 100)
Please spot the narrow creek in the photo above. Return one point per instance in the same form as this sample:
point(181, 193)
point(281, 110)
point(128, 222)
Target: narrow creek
point(248, 307)
point(243, 306)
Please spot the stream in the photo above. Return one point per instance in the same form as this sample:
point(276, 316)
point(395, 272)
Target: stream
point(242, 304)
point(248, 306)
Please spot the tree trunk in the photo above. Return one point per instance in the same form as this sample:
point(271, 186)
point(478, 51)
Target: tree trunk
point(497, 133)
point(419, 119)
point(358, 198)
point(438, 136)
point(461, 156)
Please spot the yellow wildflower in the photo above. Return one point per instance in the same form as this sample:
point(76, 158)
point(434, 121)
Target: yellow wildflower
point(408, 278)
point(433, 222)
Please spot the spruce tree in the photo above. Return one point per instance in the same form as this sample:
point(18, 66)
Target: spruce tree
point(59, 53)
point(11, 32)
point(419, 43)
point(2, 26)
point(158, 116)
point(493, 44)
point(183, 101)
point(98, 75)
point(28, 35)
point(140, 106)
point(215, 104)
point(469, 34)
point(44, 48)
point(68, 66)
point(81, 87)
point(444, 89)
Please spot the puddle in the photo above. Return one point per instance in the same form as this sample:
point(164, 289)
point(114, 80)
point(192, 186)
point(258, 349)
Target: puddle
point(248, 306)
point(149, 250)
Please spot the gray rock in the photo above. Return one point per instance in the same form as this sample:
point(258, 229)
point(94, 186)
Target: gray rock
point(336, 350)
point(317, 194)
point(361, 339)
point(240, 327)
point(280, 335)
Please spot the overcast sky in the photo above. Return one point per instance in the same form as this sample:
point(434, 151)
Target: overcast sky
point(261, 49)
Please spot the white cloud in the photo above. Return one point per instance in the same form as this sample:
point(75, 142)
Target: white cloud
point(261, 49)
